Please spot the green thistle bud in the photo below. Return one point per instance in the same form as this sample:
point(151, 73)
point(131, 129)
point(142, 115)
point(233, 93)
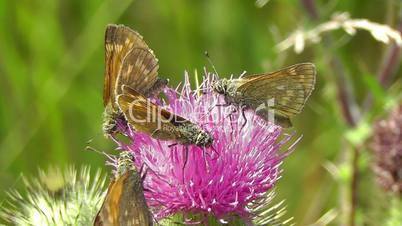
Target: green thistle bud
point(56, 197)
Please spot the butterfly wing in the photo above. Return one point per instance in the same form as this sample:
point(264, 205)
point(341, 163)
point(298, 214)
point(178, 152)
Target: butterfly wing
point(138, 212)
point(146, 117)
point(140, 72)
point(119, 41)
point(109, 212)
point(289, 88)
point(124, 203)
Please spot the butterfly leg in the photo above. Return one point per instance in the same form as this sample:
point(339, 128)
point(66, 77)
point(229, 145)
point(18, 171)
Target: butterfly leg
point(172, 145)
point(244, 118)
point(222, 105)
point(185, 161)
point(218, 105)
point(143, 175)
point(231, 120)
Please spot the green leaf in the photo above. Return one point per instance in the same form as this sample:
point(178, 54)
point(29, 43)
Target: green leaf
point(375, 88)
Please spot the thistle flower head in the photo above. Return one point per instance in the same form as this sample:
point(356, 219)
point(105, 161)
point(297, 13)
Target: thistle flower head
point(56, 198)
point(222, 180)
point(387, 147)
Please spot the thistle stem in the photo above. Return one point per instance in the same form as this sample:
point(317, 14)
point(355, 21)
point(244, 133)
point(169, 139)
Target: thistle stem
point(354, 186)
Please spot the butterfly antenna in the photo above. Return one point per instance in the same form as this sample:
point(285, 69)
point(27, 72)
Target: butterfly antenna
point(90, 140)
point(89, 148)
point(210, 62)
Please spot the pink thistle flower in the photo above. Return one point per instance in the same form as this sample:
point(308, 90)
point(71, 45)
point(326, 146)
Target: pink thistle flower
point(241, 166)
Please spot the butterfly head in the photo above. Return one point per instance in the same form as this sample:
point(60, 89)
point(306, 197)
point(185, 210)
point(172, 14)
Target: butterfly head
point(124, 163)
point(111, 118)
point(221, 86)
point(193, 134)
point(109, 121)
point(204, 140)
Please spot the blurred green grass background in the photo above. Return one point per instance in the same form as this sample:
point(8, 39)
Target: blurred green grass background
point(52, 66)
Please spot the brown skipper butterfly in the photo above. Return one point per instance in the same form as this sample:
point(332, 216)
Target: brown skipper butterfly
point(131, 77)
point(124, 203)
point(129, 61)
point(146, 117)
point(283, 92)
